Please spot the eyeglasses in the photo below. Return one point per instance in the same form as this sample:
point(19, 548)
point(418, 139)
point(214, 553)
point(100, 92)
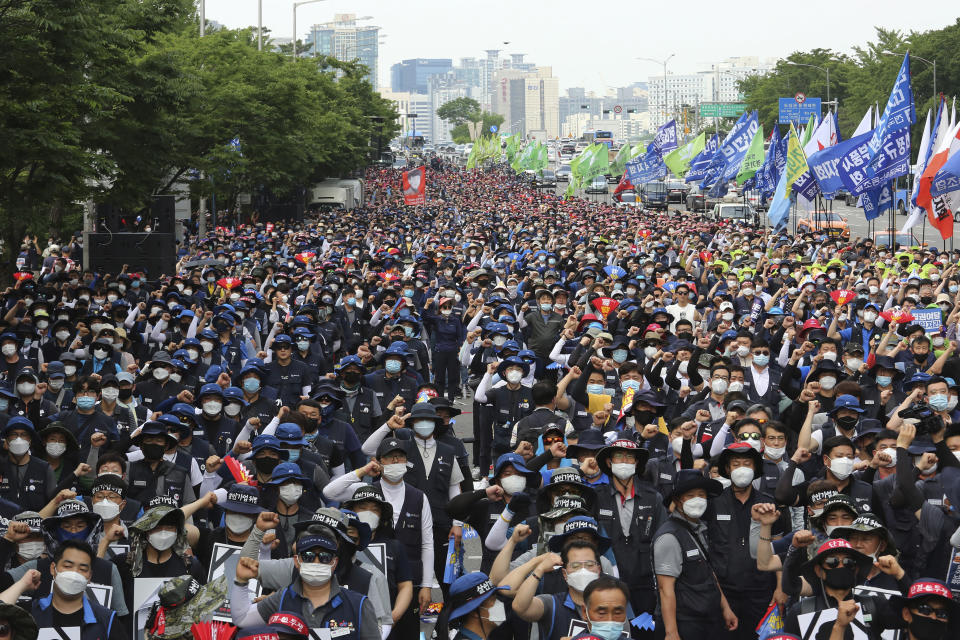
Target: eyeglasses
point(326, 557)
point(585, 564)
point(835, 561)
point(548, 440)
point(922, 609)
point(761, 353)
point(748, 436)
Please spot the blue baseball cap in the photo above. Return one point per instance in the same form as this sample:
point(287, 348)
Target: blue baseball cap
point(846, 402)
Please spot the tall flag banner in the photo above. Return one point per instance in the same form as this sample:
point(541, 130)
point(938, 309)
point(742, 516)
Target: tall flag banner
point(938, 207)
point(779, 212)
point(414, 186)
point(666, 138)
point(825, 165)
point(735, 148)
point(825, 135)
point(898, 115)
point(624, 155)
point(769, 176)
point(700, 163)
point(895, 162)
point(538, 159)
point(807, 132)
point(474, 154)
point(927, 142)
point(947, 179)
point(717, 165)
point(646, 168)
point(753, 160)
point(796, 161)
point(678, 161)
point(877, 202)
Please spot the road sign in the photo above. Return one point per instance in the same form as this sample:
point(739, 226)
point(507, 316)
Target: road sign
point(722, 109)
point(617, 109)
point(798, 112)
point(493, 128)
point(800, 97)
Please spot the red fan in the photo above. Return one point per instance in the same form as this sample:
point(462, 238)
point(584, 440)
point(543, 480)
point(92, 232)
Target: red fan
point(706, 256)
point(843, 296)
point(348, 260)
point(604, 305)
point(646, 233)
point(22, 275)
point(388, 276)
point(239, 472)
point(229, 283)
point(306, 256)
point(897, 315)
point(212, 630)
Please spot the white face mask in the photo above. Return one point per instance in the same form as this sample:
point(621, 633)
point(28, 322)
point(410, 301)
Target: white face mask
point(854, 364)
point(496, 614)
point(513, 484)
point(513, 377)
point(830, 355)
point(70, 583)
point(695, 507)
point(677, 445)
point(18, 446)
point(161, 374)
point(55, 384)
point(290, 493)
point(8, 349)
point(892, 452)
point(162, 540)
point(238, 522)
point(30, 550)
point(743, 351)
point(841, 467)
point(207, 347)
point(106, 509)
point(774, 453)
point(232, 409)
point(110, 394)
point(26, 388)
point(69, 370)
point(649, 352)
point(394, 472)
point(316, 573)
point(623, 470)
point(56, 449)
point(719, 386)
point(212, 407)
point(735, 386)
point(828, 382)
point(741, 477)
point(371, 519)
point(62, 335)
point(581, 578)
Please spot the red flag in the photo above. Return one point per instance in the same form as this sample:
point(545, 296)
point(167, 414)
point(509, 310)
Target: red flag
point(414, 186)
point(645, 233)
point(938, 209)
point(305, 256)
point(623, 185)
point(706, 256)
point(897, 315)
point(229, 283)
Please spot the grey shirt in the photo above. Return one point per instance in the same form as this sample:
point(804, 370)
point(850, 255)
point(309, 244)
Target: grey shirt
point(369, 630)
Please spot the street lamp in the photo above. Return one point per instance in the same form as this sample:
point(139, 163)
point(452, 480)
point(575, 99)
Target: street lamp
point(259, 25)
point(664, 63)
point(203, 18)
point(295, 5)
point(932, 63)
point(813, 66)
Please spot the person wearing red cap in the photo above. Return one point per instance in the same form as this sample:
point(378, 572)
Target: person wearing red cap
point(929, 610)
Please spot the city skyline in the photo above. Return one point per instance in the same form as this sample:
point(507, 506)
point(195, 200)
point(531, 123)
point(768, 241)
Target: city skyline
point(565, 45)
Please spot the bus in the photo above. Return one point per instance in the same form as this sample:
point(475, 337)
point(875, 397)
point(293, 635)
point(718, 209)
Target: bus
point(604, 137)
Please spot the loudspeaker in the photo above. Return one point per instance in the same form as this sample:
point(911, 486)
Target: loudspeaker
point(163, 212)
point(153, 254)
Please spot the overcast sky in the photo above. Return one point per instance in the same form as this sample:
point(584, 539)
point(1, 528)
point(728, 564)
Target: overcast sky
point(594, 44)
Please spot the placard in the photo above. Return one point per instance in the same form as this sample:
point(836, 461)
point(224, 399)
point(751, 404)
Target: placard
point(811, 622)
point(376, 556)
point(930, 319)
point(576, 628)
point(100, 593)
point(145, 592)
point(59, 633)
point(953, 573)
point(226, 564)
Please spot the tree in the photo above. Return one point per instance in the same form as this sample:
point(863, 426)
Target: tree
point(460, 111)
point(461, 132)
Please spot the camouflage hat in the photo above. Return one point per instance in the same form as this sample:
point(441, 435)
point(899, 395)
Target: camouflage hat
point(182, 602)
point(147, 523)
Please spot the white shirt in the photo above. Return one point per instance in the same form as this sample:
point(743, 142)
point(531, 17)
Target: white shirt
point(687, 312)
point(761, 379)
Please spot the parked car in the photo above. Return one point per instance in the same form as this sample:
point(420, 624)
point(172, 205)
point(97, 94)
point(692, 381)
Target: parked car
point(882, 239)
point(739, 213)
point(597, 185)
point(628, 199)
point(545, 179)
point(696, 200)
point(563, 173)
point(828, 222)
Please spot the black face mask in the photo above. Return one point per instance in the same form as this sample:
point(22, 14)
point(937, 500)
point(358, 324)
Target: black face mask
point(688, 337)
point(266, 465)
point(125, 394)
point(351, 377)
point(920, 357)
point(927, 628)
point(152, 451)
point(643, 418)
point(840, 578)
point(847, 422)
point(311, 425)
point(926, 299)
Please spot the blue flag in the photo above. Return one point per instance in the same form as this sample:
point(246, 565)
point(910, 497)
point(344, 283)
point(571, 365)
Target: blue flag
point(735, 147)
point(947, 178)
point(717, 162)
point(645, 168)
point(825, 164)
point(898, 115)
point(876, 202)
point(767, 176)
point(893, 160)
point(779, 211)
point(666, 139)
point(699, 164)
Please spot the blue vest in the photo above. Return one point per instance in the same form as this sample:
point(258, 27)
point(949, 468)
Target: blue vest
point(344, 613)
point(97, 620)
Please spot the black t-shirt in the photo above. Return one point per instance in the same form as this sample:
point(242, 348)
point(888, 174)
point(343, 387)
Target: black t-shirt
point(75, 619)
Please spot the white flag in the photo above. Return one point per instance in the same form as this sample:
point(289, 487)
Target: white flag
point(916, 213)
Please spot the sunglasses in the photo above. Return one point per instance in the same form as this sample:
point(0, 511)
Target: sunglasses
point(749, 436)
point(922, 609)
point(326, 557)
point(548, 440)
point(761, 353)
point(835, 561)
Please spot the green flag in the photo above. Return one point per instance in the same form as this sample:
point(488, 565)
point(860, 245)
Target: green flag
point(472, 158)
point(796, 160)
point(753, 161)
point(597, 162)
point(538, 160)
point(808, 132)
point(513, 144)
point(678, 161)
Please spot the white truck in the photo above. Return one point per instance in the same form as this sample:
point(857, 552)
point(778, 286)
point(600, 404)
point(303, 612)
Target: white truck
point(336, 193)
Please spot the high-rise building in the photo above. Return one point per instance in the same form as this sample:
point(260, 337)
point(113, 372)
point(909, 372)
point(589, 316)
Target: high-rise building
point(413, 75)
point(415, 113)
point(528, 100)
point(344, 39)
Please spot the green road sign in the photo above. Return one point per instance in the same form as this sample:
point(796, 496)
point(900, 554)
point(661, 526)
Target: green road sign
point(722, 109)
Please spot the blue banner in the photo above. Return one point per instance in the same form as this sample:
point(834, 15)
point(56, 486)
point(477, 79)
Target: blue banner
point(698, 166)
point(779, 212)
point(894, 161)
point(717, 162)
point(825, 164)
point(666, 139)
point(878, 201)
point(768, 176)
point(735, 147)
point(930, 318)
point(646, 168)
point(898, 115)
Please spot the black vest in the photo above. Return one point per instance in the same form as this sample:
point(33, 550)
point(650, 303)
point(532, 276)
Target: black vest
point(633, 549)
point(28, 490)
point(407, 529)
point(343, 618)
point(361, 415)
point(145, 483)
point(696, 589)
point(436, 486)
